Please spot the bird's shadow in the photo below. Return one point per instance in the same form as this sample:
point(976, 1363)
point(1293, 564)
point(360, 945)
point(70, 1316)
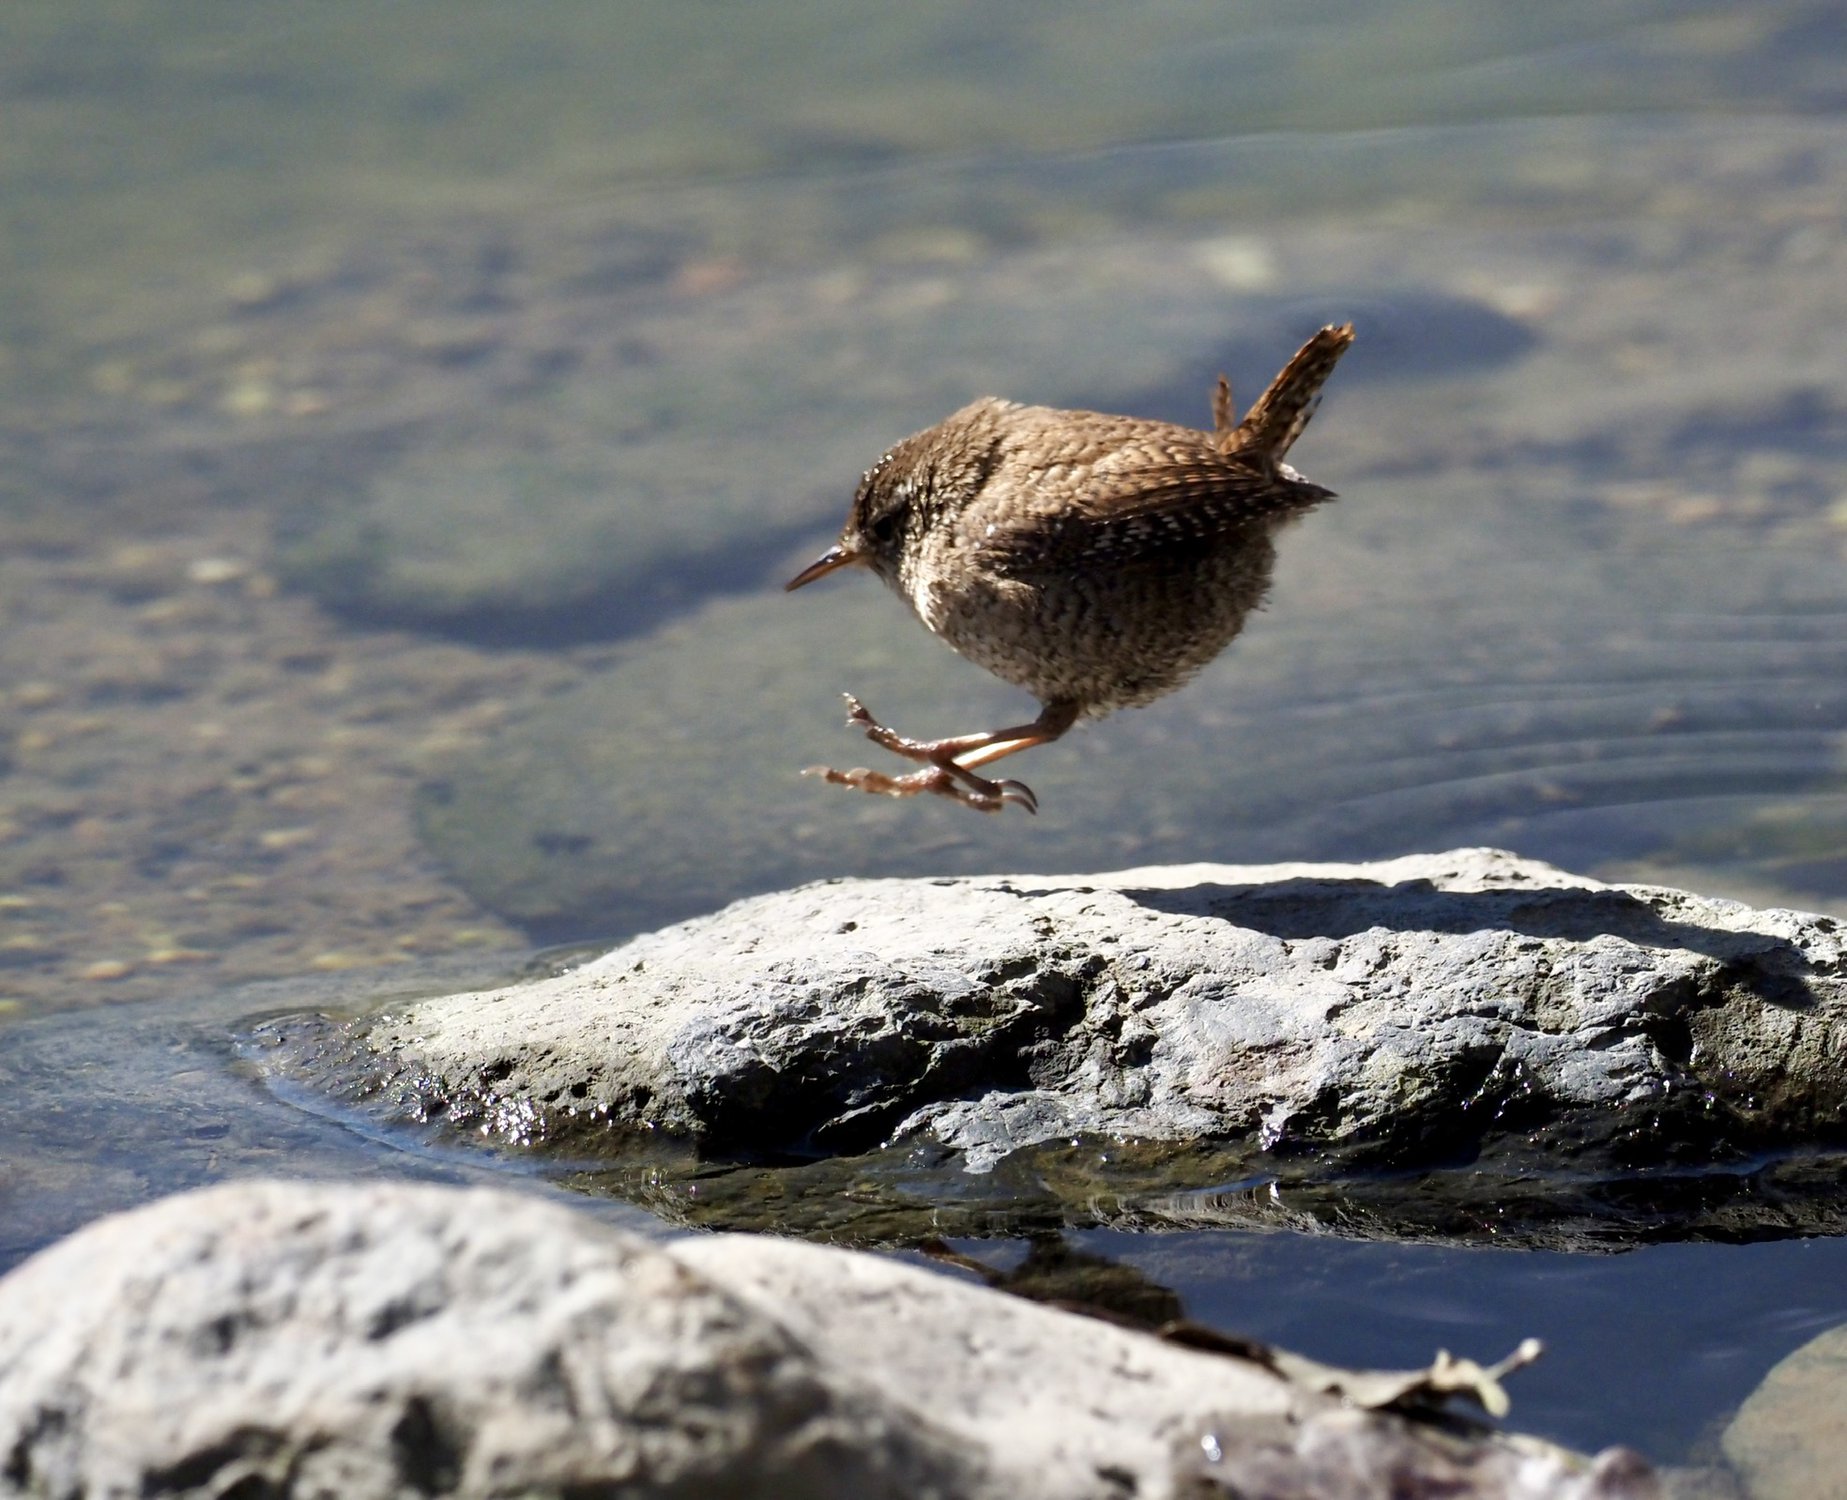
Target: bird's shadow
point(1768, 964)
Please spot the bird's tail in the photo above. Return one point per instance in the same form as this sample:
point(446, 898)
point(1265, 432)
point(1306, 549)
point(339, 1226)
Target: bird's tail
point(1276, 420)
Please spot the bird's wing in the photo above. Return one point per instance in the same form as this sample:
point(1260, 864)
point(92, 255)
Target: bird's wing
point(1129, 514)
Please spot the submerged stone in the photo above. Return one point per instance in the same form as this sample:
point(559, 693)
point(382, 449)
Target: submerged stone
point(680, 443)
point(1573, 712)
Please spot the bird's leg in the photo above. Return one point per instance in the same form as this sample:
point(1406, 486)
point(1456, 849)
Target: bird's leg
point(949, 763)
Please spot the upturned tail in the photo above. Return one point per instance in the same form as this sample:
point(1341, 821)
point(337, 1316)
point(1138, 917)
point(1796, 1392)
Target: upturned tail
point(1276, 420)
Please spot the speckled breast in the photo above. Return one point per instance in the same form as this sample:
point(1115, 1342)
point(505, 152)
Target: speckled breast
point(1104, 638)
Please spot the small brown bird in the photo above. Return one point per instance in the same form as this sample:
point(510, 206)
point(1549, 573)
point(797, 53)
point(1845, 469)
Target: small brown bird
point(1096, 561)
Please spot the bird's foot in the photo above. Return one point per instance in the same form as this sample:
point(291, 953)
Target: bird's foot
point(942, 775)
point(964, 787)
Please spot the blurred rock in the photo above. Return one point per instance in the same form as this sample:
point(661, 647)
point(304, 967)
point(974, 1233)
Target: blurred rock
point(1788, 1441)
point(389, 1341)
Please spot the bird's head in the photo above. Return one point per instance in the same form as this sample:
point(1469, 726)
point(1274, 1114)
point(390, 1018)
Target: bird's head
point(884, 507)
point(934, 473)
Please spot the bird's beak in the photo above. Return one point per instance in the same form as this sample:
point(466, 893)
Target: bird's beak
point(827, 562)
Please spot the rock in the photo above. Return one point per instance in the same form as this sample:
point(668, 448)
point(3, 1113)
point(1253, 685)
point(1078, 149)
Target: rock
point(1562, 711)
point(1406, 1011)
point(296, 1339)
point(1788, 1441)
point(695, 438)
point(587, 454)
point(279, 1339)
point(608, 801)
point(1524, 1195)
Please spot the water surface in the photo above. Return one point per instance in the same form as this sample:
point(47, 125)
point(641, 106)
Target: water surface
point(408, 417)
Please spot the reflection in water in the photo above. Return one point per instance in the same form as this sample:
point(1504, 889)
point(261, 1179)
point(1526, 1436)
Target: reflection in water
point(405, 423)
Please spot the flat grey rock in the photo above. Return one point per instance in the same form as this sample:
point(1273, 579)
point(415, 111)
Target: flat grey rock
point(393, 1340)
point(1409, 1009)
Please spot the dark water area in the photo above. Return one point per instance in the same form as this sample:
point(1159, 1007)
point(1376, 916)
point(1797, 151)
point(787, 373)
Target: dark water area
point(407, 420)
point(1665, 1340)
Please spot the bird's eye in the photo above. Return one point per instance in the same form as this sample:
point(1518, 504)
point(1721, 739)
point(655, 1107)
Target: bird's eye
point(882, 529)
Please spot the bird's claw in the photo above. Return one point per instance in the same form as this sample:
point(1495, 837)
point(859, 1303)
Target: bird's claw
point(943, 775)
point(937, 779)
point(1019, 793)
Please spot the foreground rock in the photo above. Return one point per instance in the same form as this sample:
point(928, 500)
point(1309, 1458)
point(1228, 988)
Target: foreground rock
point(1410, 1010)
point(1788, 1441)
point(292, 1340)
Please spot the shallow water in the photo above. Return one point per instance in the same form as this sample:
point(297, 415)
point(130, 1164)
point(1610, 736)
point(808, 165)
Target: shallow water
point(408, 418)
point(1618, 1363)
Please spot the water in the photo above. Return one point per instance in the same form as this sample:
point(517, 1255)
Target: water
point(1616, 1364)
point(407, 418)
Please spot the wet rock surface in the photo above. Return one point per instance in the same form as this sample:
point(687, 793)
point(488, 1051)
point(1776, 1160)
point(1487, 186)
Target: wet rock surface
point(1508, 1193)
point(297, 1339)
point(1407, 1011)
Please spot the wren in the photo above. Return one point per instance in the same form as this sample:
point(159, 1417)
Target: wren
point(1096, 561)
